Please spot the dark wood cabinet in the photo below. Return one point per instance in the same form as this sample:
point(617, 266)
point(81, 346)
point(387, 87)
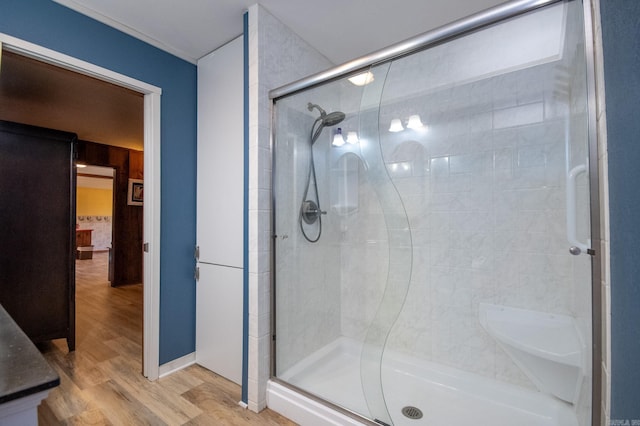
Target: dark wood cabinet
point(37, 242)
point(83, 237)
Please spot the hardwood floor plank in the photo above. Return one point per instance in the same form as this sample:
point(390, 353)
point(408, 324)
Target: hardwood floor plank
point(124, 346)
point(46, 415)
point(65, 401)
point(119, 406)
point(219, 397)
point(153, 395)
point(79, 366)
point(101, 382)
point(180, 383)
point(89, 417)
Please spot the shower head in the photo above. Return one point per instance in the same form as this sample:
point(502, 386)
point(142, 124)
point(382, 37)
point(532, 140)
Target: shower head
point(327, 120)
point(333, 118)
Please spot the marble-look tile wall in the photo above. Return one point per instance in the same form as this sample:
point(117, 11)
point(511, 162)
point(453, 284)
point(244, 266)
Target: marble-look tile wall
point(484, 190)
point(307, 286)
point(276, 56)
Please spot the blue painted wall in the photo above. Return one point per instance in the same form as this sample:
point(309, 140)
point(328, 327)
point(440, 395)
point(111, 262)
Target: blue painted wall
point(48, 24)
point(621, 38)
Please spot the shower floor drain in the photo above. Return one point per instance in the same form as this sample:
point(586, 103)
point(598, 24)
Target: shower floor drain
point(412, 412)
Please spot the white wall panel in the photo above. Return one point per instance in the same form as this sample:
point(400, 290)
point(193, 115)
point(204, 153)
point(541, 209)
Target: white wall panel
point(219, 320)
point(219, 310)
point(221, 155)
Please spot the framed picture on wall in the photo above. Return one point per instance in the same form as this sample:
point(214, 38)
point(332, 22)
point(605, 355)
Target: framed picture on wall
point(135, 195)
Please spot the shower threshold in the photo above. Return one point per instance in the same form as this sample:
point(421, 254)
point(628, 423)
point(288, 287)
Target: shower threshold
point(444, 395)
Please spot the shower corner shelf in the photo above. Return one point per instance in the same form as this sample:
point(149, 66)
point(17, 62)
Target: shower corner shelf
point(547, 347)
point(344, 209)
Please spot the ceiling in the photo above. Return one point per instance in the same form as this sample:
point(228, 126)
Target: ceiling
point(95, 177)
point(39, 94)
point(339, 29)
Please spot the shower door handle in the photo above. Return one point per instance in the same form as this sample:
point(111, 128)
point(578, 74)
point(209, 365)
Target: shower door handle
point(577, 247)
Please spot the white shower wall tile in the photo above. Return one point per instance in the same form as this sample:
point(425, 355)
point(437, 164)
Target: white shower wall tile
point(262, 220)
point(483, 240)
point(276, 56)
point(264, 117)
point(518, 115)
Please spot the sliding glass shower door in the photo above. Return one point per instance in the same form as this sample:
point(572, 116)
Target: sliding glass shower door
point(432, 231)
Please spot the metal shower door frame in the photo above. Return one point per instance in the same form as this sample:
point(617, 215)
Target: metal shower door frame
point(455, 29)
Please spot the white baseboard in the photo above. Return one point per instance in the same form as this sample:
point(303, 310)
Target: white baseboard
point(177, 364)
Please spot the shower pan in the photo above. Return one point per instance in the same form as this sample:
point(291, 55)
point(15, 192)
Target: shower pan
point(436, 267)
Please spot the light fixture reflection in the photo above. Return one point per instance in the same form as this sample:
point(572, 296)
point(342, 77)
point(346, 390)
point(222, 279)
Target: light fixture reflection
point(80, 165)
point(396, 125)
point(414, 122)
point(352, 138)
point(362, 78)
point(338, 140)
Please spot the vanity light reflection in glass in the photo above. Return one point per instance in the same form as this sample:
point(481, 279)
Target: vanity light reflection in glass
point(339, 140)
point(396, 126)
point(414, 122)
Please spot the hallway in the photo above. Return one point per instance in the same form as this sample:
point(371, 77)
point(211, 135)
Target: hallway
point(101, 382)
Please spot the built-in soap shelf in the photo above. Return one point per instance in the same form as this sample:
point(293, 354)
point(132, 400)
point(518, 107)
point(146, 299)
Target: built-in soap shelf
point(344, 185)
point(547, 347)
point(344, 210)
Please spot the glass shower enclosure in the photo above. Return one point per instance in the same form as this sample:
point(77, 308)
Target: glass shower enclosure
point(432, 231)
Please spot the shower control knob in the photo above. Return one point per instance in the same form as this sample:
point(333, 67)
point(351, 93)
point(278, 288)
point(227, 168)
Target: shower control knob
point(310, 212)
point(575, 250)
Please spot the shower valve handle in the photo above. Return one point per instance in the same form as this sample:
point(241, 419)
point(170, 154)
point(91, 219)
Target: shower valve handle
point(317, 212)
point(311, 212)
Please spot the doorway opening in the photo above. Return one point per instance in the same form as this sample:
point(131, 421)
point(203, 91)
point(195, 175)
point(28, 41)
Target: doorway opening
point(59, 64)
point(94, 216)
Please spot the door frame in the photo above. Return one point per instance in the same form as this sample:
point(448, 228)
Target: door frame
point(151, 207)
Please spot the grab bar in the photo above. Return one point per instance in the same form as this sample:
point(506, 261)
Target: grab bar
point(577, 246)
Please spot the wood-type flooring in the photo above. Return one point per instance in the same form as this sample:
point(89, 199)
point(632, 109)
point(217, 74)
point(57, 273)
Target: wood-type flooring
point(102, 383)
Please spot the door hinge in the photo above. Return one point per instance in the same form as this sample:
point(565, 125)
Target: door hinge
point(196, 253)
point(196, 273)
point(145, 247)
